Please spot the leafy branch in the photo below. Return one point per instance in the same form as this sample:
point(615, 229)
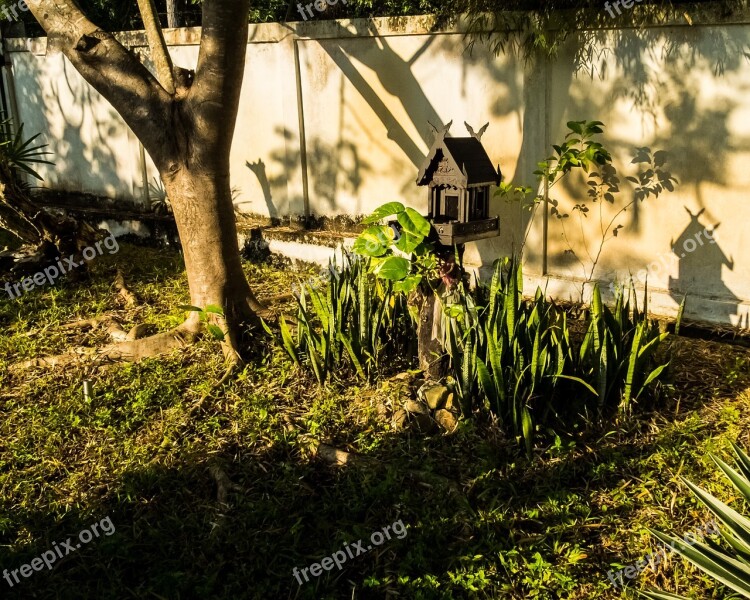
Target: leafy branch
point(580, 152)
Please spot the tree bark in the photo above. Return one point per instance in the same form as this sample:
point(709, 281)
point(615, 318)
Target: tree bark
point(159, 51)
point(172, 14)
point(203, 209)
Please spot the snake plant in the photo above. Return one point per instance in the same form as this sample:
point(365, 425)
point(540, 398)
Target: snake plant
point(728, 563)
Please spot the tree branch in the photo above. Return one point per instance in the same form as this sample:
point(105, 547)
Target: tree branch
point(159, 51)
point(221, 64)
point(111, 69)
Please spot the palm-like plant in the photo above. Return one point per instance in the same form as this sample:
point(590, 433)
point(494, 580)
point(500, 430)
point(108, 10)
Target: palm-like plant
point(18, 213)
point(18, 155)
point(729, 564)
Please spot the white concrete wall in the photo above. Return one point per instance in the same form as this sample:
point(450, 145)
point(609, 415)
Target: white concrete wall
point(367, 89)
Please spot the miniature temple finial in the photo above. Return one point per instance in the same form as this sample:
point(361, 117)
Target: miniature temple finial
point(440, 132)
point(476, 135)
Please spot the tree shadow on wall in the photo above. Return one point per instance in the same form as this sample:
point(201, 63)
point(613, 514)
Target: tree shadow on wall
point(333, 168)
point(395, 74)
point(259, 170)
point(662, 74)
point(75, 157)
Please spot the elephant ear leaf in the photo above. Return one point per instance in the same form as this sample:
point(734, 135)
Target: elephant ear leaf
point(373, 242)
point(387, 210)
point(414, 223)
point(393, 268)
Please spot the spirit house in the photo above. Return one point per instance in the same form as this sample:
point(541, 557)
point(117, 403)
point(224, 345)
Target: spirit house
point(459, 175)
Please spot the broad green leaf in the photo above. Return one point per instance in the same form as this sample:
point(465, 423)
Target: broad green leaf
point(576, 126)
point(215, 331)
point(408, 242)
point(213, 309)
point(374, 241)
point(408, 285)
point(387, 210)
point(414, 223)
point(393, 268)
point(189, 308)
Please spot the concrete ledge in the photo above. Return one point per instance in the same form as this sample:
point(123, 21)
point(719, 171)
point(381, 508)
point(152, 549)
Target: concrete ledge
point(661, 302)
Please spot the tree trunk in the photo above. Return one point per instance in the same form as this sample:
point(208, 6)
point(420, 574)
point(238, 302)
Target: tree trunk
point(204, 212)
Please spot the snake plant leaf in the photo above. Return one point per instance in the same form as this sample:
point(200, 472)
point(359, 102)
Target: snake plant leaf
point(287, 341)
point(661, 596)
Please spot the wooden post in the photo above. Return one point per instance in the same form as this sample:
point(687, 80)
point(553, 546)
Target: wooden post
point(431, 354)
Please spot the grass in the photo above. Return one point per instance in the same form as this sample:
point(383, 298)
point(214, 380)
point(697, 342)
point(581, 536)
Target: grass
point(482, 520)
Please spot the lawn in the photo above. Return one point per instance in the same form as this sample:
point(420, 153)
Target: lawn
point(221, 495)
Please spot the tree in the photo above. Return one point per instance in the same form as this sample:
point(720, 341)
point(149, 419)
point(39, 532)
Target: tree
point(172, 13)
point(185, 120)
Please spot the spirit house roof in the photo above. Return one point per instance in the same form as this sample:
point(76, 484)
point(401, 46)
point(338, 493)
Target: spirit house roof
point(461, 161)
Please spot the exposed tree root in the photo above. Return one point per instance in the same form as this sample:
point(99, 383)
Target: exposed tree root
point(161, 343)
point(76, 355)
point(223, 486)
point(228, 374)
point(335, 456)
point(131, 350)
point(113, 327)
point(130, 298)
point(260, 309)
point(279, 298)
point(130, 346)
